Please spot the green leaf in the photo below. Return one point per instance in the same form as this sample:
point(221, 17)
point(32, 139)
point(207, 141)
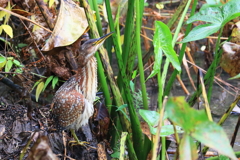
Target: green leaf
point(35, 84)
point(152, 117)
point(17, 63)
point(162, 42)
point(21, 45)
point(201, 31)
point(212, 135)
point(115, 155)
point(39, 90)
point(181, 114)
point(235, 77)
point(18, 70)
point(208, 14)
point(132, 86)
point(54, 81)
point(213, 1)
point(8, 30)
point(217, 15)
point(187, 148)
point(120, 108)
point(196, 123)
point(8, 65)
point(221, 157)
point(166, 130)
point(3, 61)
point(47, 82)
point(231, 10)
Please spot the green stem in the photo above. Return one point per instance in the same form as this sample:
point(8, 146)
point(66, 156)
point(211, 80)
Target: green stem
point(139, 53)
point(103, 82)
point(99, 24)
point(115, 90)
point(215, 63)
point(138, 138)
point(181, 54)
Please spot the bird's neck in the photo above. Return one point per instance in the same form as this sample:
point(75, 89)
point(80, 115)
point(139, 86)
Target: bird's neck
point(87, 79)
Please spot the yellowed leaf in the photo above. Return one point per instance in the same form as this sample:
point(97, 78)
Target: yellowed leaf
point(7, 14)
point(1, 30)
point(39, 90)
point(159, 5)
point(35, 27)
point(50, 3)
point(8, 30)
point(70, 25)
point(2, 14)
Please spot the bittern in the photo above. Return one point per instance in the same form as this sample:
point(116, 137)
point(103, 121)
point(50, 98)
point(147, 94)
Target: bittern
point(72, 104)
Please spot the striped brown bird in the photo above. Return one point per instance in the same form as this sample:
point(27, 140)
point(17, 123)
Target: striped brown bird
point(72, 104)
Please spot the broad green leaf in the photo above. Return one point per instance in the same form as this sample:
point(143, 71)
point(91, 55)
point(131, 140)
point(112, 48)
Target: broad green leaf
point(3, 61)
point(221, 157)
point(47, 82)
point(39, 90)
point(54, 81)
point(162, 42)
point(212, 135)
point(8, 65)
point(187, 148)
point(196, 124)
point(166, 130)
point(218, 16)
point(182, 115)
point(201, 31)
point(213, 1)
point(8, 30)
point(209, 14)
point(231, 10)
point(151, 117)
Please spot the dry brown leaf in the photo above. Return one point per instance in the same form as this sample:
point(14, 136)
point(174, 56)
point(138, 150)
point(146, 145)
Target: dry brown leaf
point(236, 33)
point(41, 150)
point(230, 61)
point(70, 25)
point(101, 151)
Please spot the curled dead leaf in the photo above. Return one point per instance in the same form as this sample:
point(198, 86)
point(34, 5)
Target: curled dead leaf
point(230, 61)
point(70, 25)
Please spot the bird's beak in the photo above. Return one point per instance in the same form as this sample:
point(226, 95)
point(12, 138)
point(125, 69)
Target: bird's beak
point(102, 39)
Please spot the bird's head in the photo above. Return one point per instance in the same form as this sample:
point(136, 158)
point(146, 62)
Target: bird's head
point(89, 48)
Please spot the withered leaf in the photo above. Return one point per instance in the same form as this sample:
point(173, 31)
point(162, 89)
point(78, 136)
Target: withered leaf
point(70, 25)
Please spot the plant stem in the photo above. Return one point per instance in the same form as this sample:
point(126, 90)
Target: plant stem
point(139, 53)
point(137, 135)
point(215, 63)
point(181, 54)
